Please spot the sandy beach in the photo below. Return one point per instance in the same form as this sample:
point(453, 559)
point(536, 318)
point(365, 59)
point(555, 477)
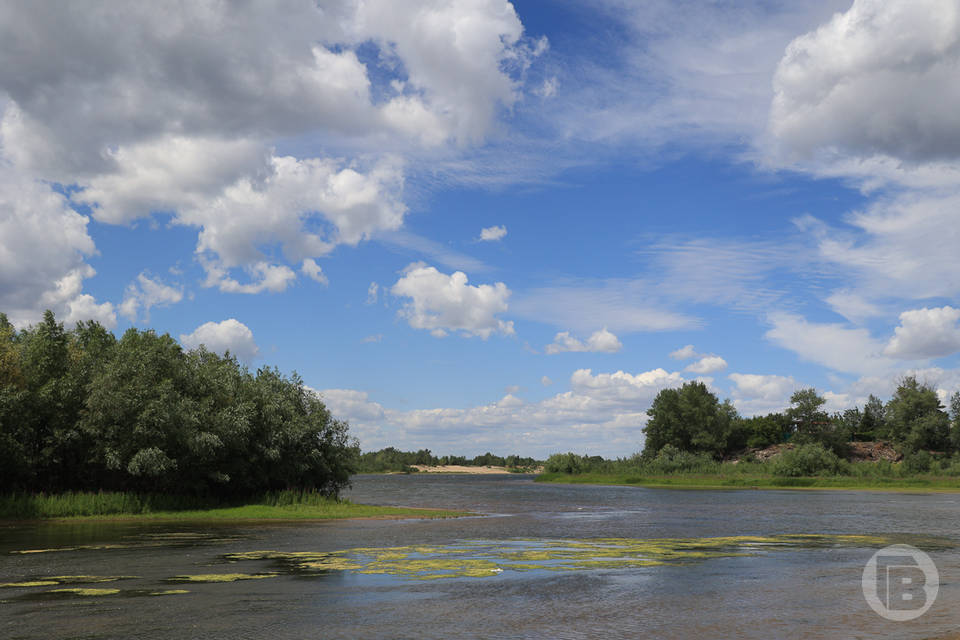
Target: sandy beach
point(458, 468)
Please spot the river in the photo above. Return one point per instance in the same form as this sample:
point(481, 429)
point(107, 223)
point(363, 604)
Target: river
point(543, 561)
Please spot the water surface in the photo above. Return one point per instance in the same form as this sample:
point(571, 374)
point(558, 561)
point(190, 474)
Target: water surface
point(544, 561)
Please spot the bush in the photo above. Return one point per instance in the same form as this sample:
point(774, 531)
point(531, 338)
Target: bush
point(564, 463)
point(672, 460)
point(917, 462)
point(807, 460)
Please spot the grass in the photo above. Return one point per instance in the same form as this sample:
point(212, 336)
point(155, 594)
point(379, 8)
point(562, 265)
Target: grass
point(759, 481)
point(282, 505)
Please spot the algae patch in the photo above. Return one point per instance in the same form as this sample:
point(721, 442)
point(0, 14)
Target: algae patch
point(488, 558)
point(222, 577)
point(86, 592)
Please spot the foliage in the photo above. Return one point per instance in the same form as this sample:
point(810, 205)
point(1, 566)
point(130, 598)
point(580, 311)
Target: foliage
point(81, 410)
point(915, 418)
point(391, 459)
point(807, 460)
point(690, 418)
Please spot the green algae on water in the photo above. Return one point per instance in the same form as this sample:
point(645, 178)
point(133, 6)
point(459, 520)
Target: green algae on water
point(490, 558)
point(85, 591)
point(222, 577)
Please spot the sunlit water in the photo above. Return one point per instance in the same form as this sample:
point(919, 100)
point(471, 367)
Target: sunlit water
point(544, 561)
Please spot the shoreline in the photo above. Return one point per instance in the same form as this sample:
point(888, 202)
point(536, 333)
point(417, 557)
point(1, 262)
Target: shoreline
point(755, 484)
point(253, 513)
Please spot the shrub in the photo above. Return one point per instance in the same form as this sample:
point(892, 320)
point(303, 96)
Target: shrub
point(917, 462)
point(672, 460)
point(807, 460)
point(564, 463)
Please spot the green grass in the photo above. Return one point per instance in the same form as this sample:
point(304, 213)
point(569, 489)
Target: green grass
point(759, 481)
point(283, 505)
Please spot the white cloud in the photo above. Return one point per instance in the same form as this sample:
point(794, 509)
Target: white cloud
point(902, 246)
point(925, 333)
point(377, 337)
point(219, 337)
point(492, 234)
point(183, 116)
point(442, 303)
point(145, 293)
point(684, 353)
point(373, 292)
point(43, 247)
point(707, 364)
point(601, 341)
point(878, 79)
point(755, 394)
point(546, 381)
point(602, 414)
point(578, 306)
point(312, 270)
point(852, 305)
point(836, 346)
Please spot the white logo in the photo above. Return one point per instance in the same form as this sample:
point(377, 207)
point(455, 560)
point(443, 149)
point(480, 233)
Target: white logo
point(900, 582)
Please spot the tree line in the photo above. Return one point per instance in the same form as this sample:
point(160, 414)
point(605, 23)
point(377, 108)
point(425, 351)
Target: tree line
point(692, 419)
point(83, 410)
point(392, 459)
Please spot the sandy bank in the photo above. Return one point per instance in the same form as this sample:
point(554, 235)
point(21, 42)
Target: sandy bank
point(459, 468)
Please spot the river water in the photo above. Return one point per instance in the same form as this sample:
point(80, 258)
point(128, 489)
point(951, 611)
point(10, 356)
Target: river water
point(543, 561)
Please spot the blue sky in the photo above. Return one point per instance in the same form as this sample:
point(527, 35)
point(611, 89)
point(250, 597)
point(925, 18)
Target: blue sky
point(480, 225)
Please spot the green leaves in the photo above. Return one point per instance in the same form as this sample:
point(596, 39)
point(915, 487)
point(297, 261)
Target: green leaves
point(82, 410)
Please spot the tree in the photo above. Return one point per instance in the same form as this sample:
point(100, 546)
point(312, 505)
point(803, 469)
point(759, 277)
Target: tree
point(805, 411)
point(690, 418)
point(915, 417)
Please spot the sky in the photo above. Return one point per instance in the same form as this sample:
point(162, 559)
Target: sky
point(476, 225)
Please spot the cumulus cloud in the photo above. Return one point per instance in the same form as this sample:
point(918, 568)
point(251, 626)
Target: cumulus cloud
point(877, 79)
point(684, 353)
point(144, 293)
point(43, 248)
point(755, 394)
point(219, 337)
point(493, 234)
point(602, 413)
point(707, 364)
point(601, 341)
point(182, 115)
point(312, 270)
point(925, 333)
point(546, 381)
point(443, 303)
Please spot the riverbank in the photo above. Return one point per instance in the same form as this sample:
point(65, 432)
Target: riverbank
point(720, 481)
point(288, 505)
point(475, 470)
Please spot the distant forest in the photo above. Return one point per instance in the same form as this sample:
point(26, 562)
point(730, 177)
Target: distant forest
point(81, 410)
point(391, 459)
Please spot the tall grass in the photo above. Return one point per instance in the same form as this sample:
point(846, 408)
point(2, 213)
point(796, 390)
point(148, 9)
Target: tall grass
point(105, 503)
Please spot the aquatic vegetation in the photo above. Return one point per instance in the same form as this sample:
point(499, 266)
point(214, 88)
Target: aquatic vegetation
point(222, 577)
point(167, 592)
point(86, 591)
point(47, 581)
point(488, 558)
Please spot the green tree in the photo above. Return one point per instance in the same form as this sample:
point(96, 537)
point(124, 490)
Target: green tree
point(690, 418)
point(915, 417)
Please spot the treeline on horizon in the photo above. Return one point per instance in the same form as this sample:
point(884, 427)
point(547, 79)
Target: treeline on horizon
point(81, 410)
point(690, 430)
point(391, 459)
